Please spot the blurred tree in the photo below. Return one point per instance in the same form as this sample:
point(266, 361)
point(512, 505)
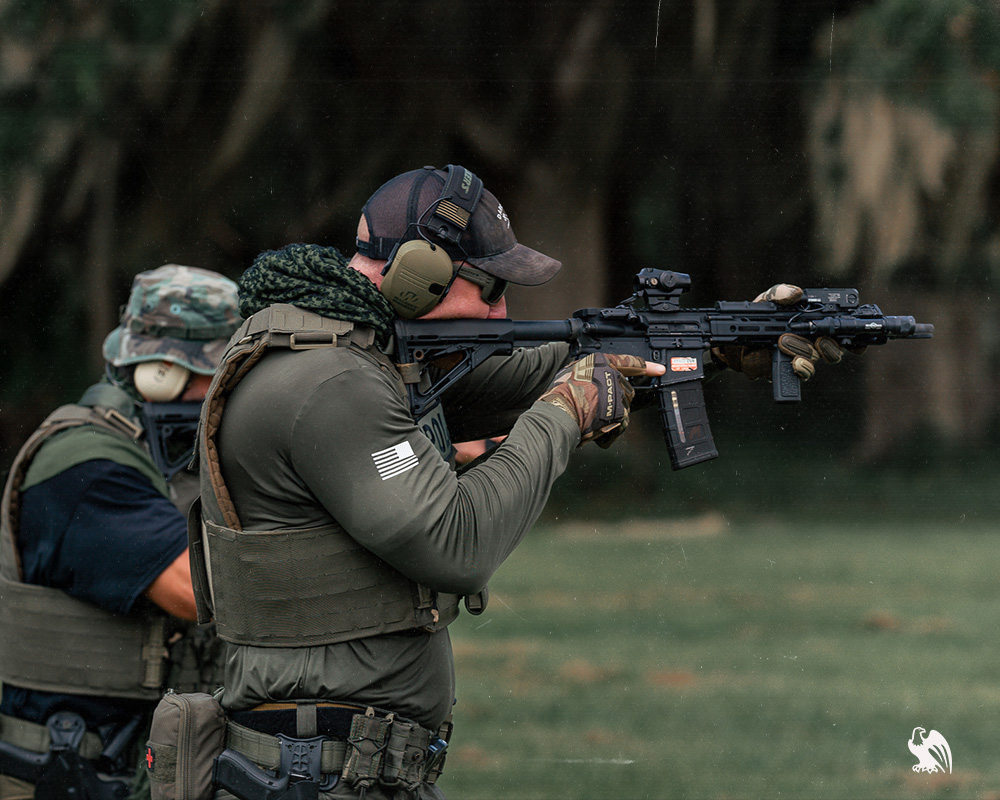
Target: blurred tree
point(903, 142)
point(618, 135)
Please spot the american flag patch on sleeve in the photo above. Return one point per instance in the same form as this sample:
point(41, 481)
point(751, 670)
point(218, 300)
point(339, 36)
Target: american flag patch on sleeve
point(394, 461)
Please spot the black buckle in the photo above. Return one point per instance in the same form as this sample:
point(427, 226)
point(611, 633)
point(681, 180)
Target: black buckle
point(302, 760)
point(65, 734)
point(66, 731)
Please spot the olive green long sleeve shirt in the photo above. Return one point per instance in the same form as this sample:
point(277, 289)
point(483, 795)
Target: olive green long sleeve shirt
point(320, 436)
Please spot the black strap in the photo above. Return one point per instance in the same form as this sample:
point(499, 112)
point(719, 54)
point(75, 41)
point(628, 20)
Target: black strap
point(199, 566)
point(454, 209)
point(379, 248)
point(449, 216)
point(331, 720)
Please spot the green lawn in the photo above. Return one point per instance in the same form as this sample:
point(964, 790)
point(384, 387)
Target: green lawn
point(703, 659)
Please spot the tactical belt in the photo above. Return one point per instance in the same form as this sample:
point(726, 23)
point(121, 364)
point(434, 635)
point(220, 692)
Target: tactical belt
point(65, 644)
point(333, 741)
point(37, 738)
point(63, 759)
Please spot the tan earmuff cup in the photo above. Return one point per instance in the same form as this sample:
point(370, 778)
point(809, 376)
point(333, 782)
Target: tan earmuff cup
point(160, 381)
point(417, 278)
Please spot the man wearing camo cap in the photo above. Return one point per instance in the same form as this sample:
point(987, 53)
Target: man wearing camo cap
point(94, 570)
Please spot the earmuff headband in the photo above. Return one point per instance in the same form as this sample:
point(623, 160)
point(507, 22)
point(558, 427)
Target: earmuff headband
point(446, 218)
point(453, 210)
point(419, 272)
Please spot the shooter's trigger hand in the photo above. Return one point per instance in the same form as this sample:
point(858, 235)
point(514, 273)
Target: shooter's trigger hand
point(595, 391)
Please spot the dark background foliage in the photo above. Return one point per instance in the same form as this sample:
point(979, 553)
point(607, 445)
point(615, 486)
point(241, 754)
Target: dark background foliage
point(743, 141)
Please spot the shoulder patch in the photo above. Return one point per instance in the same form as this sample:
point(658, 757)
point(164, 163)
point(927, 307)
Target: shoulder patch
point(395, 460)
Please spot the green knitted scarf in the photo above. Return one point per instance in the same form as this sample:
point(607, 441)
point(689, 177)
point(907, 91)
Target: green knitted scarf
point(316, 279)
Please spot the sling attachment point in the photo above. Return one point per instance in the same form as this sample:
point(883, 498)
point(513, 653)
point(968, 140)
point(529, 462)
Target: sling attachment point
point(118, 420)
point(411, 372)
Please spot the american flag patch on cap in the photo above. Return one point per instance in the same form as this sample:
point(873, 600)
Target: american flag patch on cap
point(394, 460)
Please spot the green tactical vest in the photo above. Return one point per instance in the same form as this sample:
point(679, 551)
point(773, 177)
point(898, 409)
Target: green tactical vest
point(53, 642)
point(253, 583)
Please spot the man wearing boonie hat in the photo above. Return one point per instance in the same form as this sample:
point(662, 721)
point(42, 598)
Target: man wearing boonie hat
point(97, 611)
point(337, 620)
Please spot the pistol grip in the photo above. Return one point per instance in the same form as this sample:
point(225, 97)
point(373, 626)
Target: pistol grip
point(784, 382)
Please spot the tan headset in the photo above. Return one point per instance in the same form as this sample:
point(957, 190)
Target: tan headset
point(417, 278)
point(419, 273)
point(160, 381)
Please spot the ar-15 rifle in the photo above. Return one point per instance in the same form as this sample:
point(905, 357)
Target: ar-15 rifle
point(652, 325)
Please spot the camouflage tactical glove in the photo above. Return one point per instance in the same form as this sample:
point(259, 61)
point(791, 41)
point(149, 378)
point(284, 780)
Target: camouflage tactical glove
point(595, 392)
point(756, 362)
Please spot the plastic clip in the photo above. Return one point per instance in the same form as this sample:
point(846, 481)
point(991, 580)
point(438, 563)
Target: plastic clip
point(434, 763)
point(65, 731)
point(300, 758)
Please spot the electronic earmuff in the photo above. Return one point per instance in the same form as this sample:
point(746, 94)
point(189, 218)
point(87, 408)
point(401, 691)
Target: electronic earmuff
point(160, 381)
point(418, 272)
point(417, 278)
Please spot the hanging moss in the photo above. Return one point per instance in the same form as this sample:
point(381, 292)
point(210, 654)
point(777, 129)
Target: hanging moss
point(941, 55)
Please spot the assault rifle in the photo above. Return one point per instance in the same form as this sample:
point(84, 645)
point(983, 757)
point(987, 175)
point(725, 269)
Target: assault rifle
point(652, 325)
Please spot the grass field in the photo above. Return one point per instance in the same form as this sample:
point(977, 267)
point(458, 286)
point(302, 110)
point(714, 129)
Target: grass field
point(700, 658)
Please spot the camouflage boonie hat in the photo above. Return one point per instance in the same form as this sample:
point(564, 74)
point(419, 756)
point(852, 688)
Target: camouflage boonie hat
point(174, 313)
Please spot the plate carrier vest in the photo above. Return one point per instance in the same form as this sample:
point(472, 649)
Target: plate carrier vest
point(54, 642)
point(301, 587)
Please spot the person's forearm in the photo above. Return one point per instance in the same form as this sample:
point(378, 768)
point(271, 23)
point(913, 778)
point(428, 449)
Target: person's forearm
point(491, 398)
point(495, 504)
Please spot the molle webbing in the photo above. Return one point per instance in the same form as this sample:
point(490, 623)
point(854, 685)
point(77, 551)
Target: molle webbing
point(54, 642)
point(302, 587)
point(307, 587)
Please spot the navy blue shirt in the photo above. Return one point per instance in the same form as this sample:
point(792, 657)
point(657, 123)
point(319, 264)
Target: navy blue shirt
point(101, 532)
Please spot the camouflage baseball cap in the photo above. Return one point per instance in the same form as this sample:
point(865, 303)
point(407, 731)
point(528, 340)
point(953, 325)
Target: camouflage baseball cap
point(175, 313)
